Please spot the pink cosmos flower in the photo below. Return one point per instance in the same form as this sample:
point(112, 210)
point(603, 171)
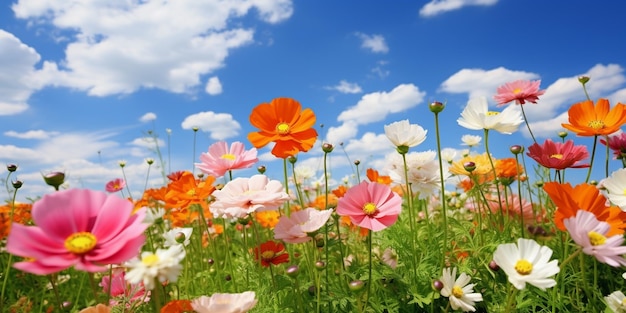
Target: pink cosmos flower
point(115, 185)
point(121, 291)
point(511, 206)
point(78, 227)
point(242, 196)
point(520, 91)
point(225, 302)
point(590, 234)
point(297, 227)
point(558, 155)
point(617, 143)
point(370, 205)
point(221, 159)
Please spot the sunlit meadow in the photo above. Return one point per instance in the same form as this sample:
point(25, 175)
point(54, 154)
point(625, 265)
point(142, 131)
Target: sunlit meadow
point(433, 231)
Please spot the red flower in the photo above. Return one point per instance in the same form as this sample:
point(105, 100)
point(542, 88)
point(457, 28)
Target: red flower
point(558, 155)
point(271, 252)
point(177, 306)
point(519, 91)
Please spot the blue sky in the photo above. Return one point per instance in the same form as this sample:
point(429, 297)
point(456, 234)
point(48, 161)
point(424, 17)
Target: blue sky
point(82, 82)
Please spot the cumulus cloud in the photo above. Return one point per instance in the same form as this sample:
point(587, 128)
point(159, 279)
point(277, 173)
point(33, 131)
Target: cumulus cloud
point(346, 87)
point(31, 134)
point(220, 126)
point(548, 128)
point(120, 47)
point(436, 7)
point(376, 106)
point(213, 86)
point(374, 43)
point(478, 82)
point(148, 117)
point(341, 133)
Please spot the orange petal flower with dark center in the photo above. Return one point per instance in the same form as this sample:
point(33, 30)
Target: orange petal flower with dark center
point(283, 122)
point(585, 119)
point(585, 197)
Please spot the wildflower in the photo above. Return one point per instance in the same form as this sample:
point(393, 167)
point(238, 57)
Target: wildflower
point(508, 168)
point(510, 205)
point(78, 227)
point(448, 154)
point(301, 225)
point(591, 235)
point(177, 306)
point(559, 156)
point(527, 262)
point(303, 173)
point(115, 185)
point(615, 186)
point(267, 219)
point(121, 290)
point(616, 301)
point(221, 159)
point(163, 265)
point(477, 117)
point(617, 143)
point(225, 302)
point(459, 291)
point(373, 176)
point(482, 165)
point(568, 200)
point(422, 170)
point(283, 122)
point(519, 91)
point(585, 119)
point(404, 135)
point(242, 196)
point(186, 191)
point(171, 236)
point(370, 205)
point(471, 140)
point(271, 252)
point(99, 308)
point(21, 215)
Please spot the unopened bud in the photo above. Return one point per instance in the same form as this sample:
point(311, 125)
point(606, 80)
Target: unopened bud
point(328, 148)
point(436, 107)
point(356, 285)
point(583, 79)
point(517, 149)
point(562, 134)
point(357, 162)
point(149, 161)
point(438, 285)
point(54, 179)
point(320, 265)
point(17, 184)
point(292, 159)
point(261, 169)
point(292, 271)
point(402, 149)
point(11, 167)
point(469, 166)
point(180, 237)
point(494, 266)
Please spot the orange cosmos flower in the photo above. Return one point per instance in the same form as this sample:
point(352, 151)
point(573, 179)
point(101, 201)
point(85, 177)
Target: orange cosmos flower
point(320, 202)
point(267, 219)
point(21, 215)
point(186, 190)
point(283, 122)
point(340, 191)
point(585, 119)
point(177, 306)
point(585, 197)
point(374, 177)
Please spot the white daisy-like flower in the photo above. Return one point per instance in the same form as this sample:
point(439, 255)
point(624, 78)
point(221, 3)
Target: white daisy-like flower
point(404, 134)
point(423, 172)
point(448, 154)
point(303, 173)
point(616, 301)
point(153, 215)
point(477, 116)
point(163, 265)
point(471, 140)
point(459, 291)
point(170, 236)
point(527, 262)
point(615, 186)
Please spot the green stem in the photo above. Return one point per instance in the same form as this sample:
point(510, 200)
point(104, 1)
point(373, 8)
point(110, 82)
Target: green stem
point(527, 125)
point(593, 154)
point(495, 175)
point(444, 209)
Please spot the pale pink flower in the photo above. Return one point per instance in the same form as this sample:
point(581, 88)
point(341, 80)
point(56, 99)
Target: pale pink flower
point(511, 207)
point(120, 290)
point(370, 205)
point(242, 196)
point(519, 91)
point(115, 185)
point(299, 226)
point(590, 234)
point(221, 159)
point(225, 302)
point(78, 227)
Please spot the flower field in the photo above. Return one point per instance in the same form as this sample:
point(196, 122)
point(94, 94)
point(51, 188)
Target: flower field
point(434, 231)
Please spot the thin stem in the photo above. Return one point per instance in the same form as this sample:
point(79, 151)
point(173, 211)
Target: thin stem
point(527, 125)
point(593, 154)
point(444, 209)
point(130, 195)
point(495, 175)
point(369, 273)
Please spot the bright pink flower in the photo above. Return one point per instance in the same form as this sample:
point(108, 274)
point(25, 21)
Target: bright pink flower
point(220, 159)
point(115, 185)
point(558, 155)
point(520, 91)
point(78, 227)
point(617, 143)
point(298, 227)
point(591, 235)
point(242, 196)
point(370, 205)
point(121, 290)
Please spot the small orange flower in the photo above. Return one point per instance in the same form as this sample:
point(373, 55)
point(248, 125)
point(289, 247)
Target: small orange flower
point(21, 215)
point(508, 168)
point(585, 119)
point(320, 202)
point(373, 176)
point(340, 191)
point(586, 197)
point(177, 306)
point(186, 190)
point(267, 219)
point(283, 122)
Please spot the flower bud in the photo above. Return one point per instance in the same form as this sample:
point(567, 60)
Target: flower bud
point(54, 179)
point(593, 182)
point(357, 162)
point(292, 159)
point(292, 271)
point(356, 285)
point(180, 237)
point(228, 277)
point(149, 161)
point(261, 169)
point(12, 167)
point(211, 262)
point(436, 107)
point(583, 79)
point(320, 265)
point(517, 149)
point(438, 285)
point(327, 148)
point(562, 134)
point(402, 149)
point(17, 184)
point(195, 129)
point(121, 163)
point(469, 166)
point(494, 266)
point(539, 183)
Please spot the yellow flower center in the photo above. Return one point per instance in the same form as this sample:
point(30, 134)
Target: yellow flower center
point(80, 243)
point(282, 128)
point(517, 90)
point(150, 259)
point(191, 192)
point(523, 267)
point(492, 113)
point(369, 208)
point(596, 124)
point(557, 156)
point(116, 186)
point(267, 255)
point(228, 156)
point(457, 291)
point(596, 239)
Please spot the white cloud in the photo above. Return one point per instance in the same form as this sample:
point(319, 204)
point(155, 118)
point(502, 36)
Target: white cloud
point(548, 128)
point(376, 106)
point(213, 86)
point(148, 142)
point(374, 43)
point(342, 133)
point(148, 117)
point(479, 82)
point(220, 125)
point(435, 7)
point(120, 47)
point(346, 87)
point(31, 134)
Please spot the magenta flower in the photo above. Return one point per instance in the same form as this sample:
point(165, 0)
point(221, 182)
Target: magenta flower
point(221, 159)
point(617, 143)
point(115, 185)
point(558, 155)
point(370, 205)
point(242, 196)
point(121, 290)
point(300, 225)
point(78, 227)
point(590, 234)
point(520, 91)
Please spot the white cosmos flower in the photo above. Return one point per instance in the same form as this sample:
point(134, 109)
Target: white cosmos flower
point(477, 116)
point(163, 265)
point(616, 302)
point(615, 186)
point(459, 291)
point(423, 171)
point(170, 236)
point(527, 262)
point(402, 133)
point(471, 140)
point(225, 303)
point(448, 154)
